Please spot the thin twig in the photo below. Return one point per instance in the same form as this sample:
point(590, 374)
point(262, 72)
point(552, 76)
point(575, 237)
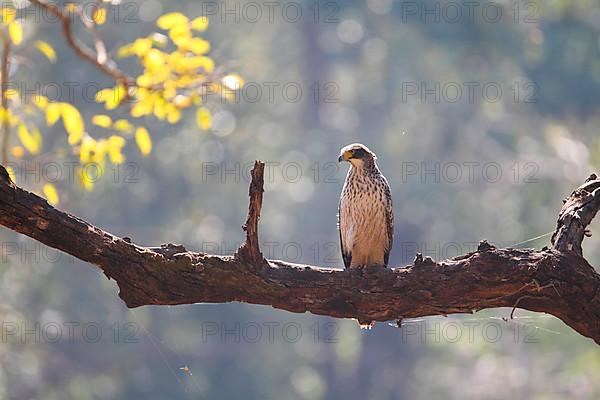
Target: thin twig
point(107, 66)
point(90, 24)
point(517, 303)
point(538, 289)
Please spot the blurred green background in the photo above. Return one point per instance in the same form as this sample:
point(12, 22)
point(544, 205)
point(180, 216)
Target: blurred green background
point(358, 64)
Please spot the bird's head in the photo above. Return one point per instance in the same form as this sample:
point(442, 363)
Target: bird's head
point(357, 154)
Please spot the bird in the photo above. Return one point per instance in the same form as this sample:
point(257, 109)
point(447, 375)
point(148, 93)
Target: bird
point(365, 212)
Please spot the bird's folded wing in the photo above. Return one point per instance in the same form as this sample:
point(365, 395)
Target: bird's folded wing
point(346, 248)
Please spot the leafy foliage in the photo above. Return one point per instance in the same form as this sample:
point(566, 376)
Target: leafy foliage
point(175, 67)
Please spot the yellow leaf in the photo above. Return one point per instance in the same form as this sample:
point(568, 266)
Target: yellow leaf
point(170, 92)
point(143, 141)
point(12, 119)
point(161, 75)
point(182, 101)
point(160, 108)
point(17, 151)
point(200, 23)
point(40, 101)
point(99, 154)
point(180, 35)
point(233, 81)
point(103, 94)
point(144, 80)
point(26, 138)
point(175, 57)
point(6, 116)
point(115, 144)
point(203, 118)
point(154, 60)
point(46, 50)
point(169, 20)
point(85, 181)
point(196, 99)
point(11, 174)
point(37, 136)
point(51, 193)
point(101, 120)
point(191, 64)
point(141, 46)
point(125, 50)
point(181, 66)
point(116, 141)
point(16, 32)
point(198, 46)
point(173, 114)
point(8, 14)
point(143, 93)
point(123, 125)
point(73, 122)
point(52, 113)
point(87, 149)
point(208, 64)
point(140, 109)
point(32, 143)
point(158, 39)
point(112, 97)
point(118, 94)
point(186, 80)
point(99, 15)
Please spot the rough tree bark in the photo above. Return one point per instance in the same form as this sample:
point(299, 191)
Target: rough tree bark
point(555, 280)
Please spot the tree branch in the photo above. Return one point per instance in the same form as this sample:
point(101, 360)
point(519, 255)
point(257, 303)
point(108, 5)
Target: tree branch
point(250, 250)
point(555, 280)
point(577, 212)
point(100, 61)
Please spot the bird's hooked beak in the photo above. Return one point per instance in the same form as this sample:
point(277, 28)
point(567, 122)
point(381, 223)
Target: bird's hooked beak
point(345, 156)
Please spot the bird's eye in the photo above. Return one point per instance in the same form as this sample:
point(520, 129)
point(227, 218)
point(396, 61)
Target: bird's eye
point(358, 153)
